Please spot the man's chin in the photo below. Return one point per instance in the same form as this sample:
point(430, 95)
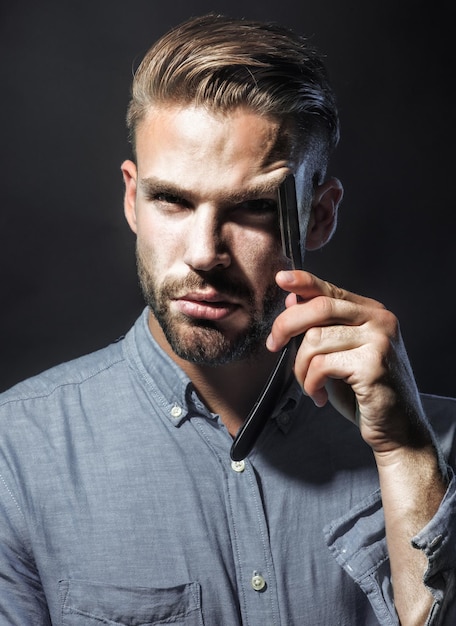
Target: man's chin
point(206, 345)
point(201, 346)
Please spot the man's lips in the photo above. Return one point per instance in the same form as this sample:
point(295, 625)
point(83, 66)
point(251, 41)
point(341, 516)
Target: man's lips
point(211, 305)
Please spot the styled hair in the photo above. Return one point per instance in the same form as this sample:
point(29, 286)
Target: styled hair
point(223, 63)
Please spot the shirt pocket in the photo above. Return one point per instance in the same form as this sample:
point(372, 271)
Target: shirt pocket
point(87, 603)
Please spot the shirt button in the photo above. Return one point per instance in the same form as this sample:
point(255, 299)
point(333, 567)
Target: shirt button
point(238, 466)
point(176, 411)
point(258, 582)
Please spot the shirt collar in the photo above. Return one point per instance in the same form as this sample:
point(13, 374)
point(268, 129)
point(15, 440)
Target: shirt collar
point(173, 389)
point(163, 378)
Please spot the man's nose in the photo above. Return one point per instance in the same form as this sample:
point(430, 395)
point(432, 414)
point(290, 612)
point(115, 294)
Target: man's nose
point(206, 248)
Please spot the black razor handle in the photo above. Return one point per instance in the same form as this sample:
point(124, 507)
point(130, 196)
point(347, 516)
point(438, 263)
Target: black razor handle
point(280, 375)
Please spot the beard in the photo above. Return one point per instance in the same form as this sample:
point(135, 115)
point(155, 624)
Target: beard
point(201, 341)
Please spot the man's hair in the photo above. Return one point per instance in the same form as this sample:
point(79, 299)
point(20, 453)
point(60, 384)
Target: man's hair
point(223, 63)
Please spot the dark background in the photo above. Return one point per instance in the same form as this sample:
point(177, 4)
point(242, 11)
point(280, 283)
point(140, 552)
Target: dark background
point(66, 254)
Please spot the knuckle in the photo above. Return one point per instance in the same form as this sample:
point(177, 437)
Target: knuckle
point(335, 292)
point(323, 306)
point(317, 366)
point(313, 336)
point(280, 325)
point(383, 345)
point(338, 293)
point(318, 363)
point(389, 323)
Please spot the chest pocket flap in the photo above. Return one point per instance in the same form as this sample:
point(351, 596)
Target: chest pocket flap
point(85, 602)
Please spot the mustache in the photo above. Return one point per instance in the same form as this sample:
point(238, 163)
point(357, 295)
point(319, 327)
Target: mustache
point(196, 282)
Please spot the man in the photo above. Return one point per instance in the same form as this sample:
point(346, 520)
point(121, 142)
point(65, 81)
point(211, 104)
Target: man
point(119, 502)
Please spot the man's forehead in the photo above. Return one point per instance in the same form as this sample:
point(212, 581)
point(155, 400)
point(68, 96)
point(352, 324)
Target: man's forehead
point(276, 135)
point(195, 149)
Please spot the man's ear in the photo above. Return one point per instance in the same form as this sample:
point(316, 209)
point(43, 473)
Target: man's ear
point(323, 214)
point(129, 172)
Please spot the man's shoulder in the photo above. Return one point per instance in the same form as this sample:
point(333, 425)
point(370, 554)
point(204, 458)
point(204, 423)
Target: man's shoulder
point(74, 373)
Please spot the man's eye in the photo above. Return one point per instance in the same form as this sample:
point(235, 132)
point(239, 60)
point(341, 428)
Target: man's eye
point(169, 201)
point(260, 206)
point(167, 198)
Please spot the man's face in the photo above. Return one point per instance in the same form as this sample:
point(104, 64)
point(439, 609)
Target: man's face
point(203, 203)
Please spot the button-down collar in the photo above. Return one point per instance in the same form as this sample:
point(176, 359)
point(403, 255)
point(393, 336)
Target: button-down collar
point(177, 392)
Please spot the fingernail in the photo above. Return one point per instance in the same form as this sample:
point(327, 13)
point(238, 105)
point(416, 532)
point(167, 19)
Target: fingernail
point(320, 398)
point(270, 343)
point(286, 276)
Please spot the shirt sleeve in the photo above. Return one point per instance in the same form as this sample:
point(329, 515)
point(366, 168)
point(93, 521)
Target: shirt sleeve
point(438, 541)
point(358, 543)
point(22, 600)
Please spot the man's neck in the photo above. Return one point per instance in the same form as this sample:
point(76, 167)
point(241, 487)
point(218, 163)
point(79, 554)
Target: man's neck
point(229, 390)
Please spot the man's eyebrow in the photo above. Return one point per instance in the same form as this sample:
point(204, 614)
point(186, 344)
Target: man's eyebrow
point(261, 190)
point(152, 186)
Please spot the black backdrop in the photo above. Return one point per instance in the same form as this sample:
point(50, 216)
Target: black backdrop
point(66, 255)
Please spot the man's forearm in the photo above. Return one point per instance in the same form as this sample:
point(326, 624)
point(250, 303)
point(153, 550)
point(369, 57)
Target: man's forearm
point(412, 488)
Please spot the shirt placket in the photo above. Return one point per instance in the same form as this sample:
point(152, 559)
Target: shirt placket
point(255, 576)
point(253, 558)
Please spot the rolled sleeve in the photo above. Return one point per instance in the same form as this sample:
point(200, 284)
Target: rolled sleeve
point(358, 543)
point(438, 541)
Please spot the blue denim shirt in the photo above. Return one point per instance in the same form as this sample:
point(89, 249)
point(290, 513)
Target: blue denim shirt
point(119, 504)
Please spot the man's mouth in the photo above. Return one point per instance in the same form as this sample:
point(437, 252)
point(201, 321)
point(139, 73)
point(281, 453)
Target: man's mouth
point(207, 305)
